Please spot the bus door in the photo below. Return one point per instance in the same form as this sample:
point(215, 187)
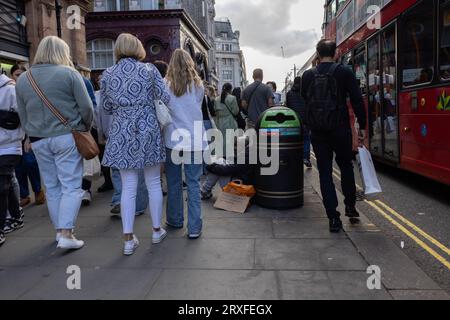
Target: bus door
point(382, 95)
point(389, 97)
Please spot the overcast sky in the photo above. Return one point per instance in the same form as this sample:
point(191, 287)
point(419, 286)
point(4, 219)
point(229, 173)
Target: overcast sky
point(268, 25)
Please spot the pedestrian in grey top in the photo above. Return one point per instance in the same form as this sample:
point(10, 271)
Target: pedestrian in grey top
point(60, 163)
point(256, 98)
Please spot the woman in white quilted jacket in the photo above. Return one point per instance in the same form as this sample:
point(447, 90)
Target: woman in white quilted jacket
point(11, 136)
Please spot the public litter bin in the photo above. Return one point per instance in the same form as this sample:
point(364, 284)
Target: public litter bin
point(284, 189)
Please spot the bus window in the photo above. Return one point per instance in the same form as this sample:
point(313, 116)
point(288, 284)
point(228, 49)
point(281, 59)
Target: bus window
point(390, 110)
point(347, 60)
point(444, 51)
point(375, 115)
point(340, 3)
point(331, 10)
point(417, 49)
point(361, 69)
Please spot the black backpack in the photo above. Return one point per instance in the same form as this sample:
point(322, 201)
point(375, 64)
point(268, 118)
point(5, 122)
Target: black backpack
point(322, 106)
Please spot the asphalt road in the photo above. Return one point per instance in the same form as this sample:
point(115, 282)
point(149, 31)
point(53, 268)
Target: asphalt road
point(426, 204)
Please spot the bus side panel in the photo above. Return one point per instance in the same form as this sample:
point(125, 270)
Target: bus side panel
point(388, 14)
point(424, 134)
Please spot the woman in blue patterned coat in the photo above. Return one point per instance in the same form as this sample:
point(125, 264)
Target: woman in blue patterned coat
point(129, 91)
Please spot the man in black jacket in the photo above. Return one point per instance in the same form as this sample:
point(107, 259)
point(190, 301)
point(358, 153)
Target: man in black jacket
point(295, 101)
point(338, 141)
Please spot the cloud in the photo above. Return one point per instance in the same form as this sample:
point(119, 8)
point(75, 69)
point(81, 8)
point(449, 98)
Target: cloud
point(264, 26)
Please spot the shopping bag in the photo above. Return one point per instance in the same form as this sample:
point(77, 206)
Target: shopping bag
point(236, 187)
point(368, 174)
point(92, 169)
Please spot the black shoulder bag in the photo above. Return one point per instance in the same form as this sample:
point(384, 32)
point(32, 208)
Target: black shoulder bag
point(9, 120)
point(238, 117)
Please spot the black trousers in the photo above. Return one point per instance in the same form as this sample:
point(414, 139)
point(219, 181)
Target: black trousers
point(8, 197)
point(326, 145)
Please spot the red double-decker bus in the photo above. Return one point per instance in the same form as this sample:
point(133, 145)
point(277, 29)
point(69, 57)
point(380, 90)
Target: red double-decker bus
point(401, 57)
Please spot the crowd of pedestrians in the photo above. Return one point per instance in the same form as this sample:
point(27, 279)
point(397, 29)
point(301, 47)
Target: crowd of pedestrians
point(122, 113)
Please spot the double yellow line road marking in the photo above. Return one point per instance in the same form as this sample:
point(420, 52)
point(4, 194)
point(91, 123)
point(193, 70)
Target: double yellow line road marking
point(397, 219)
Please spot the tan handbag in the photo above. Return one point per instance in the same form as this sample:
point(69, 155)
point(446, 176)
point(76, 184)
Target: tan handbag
point(84, 140)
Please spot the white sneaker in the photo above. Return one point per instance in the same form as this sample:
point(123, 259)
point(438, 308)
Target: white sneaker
point(159, 236)
point(86, 199)
point(131, 246)
point(70, 244)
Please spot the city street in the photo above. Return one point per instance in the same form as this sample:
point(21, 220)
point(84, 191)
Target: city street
point(261, 255)
point(122, 90)
point(422, 207)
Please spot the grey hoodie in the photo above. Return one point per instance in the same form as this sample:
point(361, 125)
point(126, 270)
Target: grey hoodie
point(10, 140)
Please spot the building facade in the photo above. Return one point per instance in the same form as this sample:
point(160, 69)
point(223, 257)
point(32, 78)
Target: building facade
point(230, 59)
point(161, 25)
point(203, 13)
point(23, 24)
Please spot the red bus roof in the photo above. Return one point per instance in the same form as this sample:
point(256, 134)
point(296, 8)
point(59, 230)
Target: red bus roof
point(353, 22)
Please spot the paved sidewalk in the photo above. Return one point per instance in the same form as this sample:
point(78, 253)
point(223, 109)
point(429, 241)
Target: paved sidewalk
point(261, 255)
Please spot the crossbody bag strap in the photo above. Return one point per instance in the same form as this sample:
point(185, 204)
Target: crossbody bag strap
point(45, 100)
point(253, 92)
point(234, 116)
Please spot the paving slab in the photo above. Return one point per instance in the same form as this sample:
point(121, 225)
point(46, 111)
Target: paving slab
point(419, 295)
point(328, 285)
point(16, 281)
point(397, 270)
point(291, 228)
point(204, 254)
point(215, 285)
point(96, 284)
point(308, 254)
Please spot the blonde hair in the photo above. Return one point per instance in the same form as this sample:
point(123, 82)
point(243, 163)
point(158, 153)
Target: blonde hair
point(212, 91)
point(53, 50)
point(128, 46)
point(181, 73)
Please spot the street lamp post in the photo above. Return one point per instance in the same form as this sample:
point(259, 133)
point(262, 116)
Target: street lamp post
point(58, 8)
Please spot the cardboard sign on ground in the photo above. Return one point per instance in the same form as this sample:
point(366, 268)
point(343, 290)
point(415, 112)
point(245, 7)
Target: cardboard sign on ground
point(232, 203)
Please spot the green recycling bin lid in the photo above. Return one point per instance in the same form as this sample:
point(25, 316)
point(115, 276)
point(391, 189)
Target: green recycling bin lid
point(279, 117)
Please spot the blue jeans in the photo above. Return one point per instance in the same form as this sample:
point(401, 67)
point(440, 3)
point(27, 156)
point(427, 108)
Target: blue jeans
point(175, 201)
point(142, 194)
point(307, 145)
point(28, 169)
point(61, 167)
point(208, 126)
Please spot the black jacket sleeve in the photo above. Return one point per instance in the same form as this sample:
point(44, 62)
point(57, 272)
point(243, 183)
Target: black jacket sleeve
point(212, 110)
point(306, 82)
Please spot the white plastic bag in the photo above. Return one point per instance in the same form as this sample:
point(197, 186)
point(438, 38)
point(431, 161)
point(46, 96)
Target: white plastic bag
point(92, 169)
point(368, 174)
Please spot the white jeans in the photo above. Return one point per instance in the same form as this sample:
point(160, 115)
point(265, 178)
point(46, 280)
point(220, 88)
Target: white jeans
point(129, 193)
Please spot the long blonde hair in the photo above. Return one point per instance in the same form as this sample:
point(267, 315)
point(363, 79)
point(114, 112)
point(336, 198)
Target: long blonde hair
point(53, 50)
point(181, 73)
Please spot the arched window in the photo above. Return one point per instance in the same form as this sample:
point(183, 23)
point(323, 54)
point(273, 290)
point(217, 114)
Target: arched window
point(100, 53)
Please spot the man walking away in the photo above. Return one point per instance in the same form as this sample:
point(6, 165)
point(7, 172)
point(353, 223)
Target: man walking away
point(256, 98)
point(326, 89)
